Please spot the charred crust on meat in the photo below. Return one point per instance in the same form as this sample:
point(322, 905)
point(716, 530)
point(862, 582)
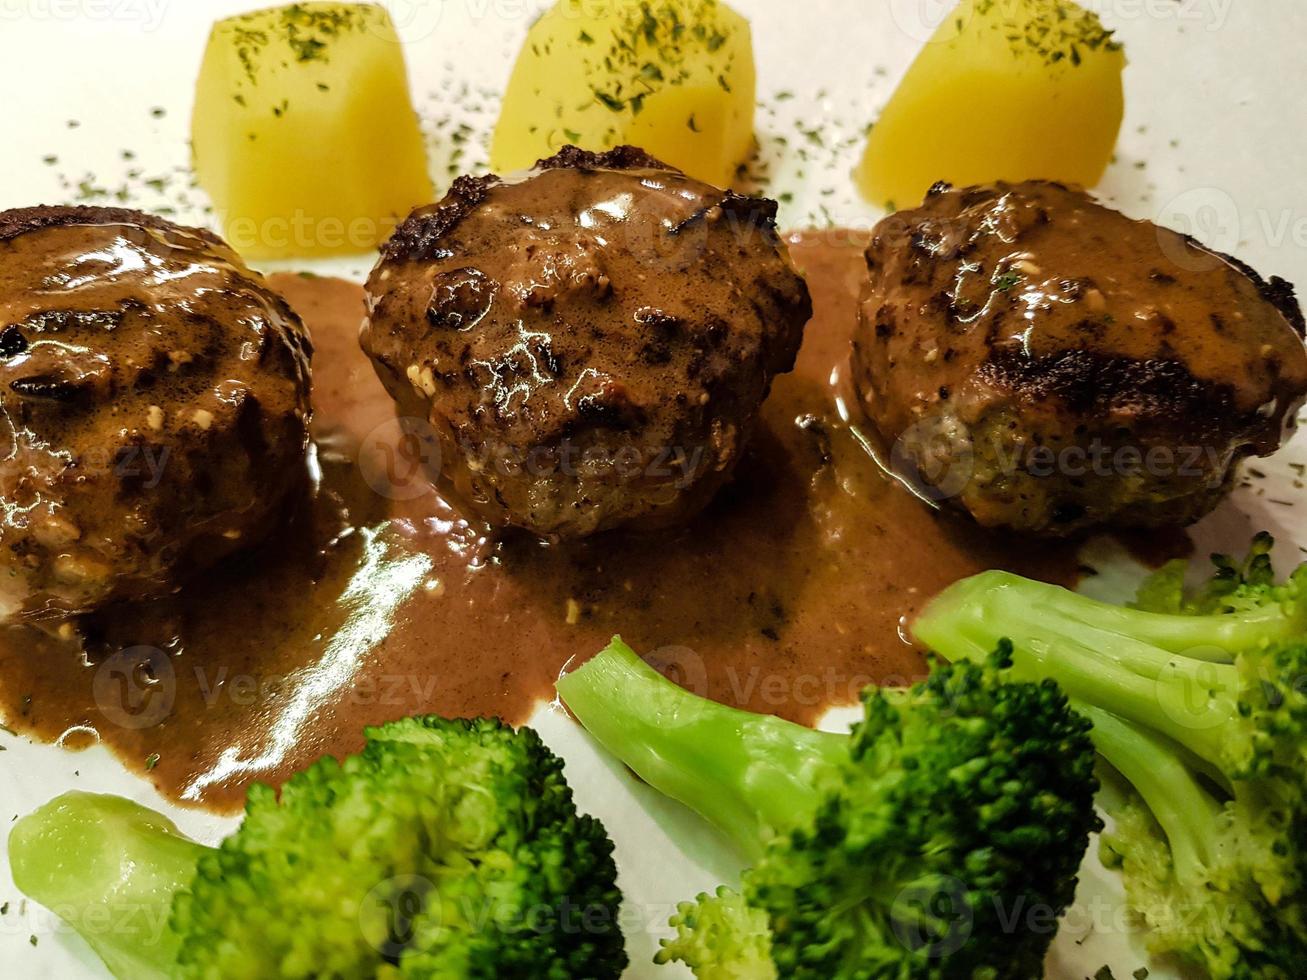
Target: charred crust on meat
point(1276, 291)
point(1090, 382)
point(760, 211)
point(1068, 512)
point(44, 388)
point(1280, 294)
point(885, 322)
point(662, 329)
point(756, 212)
point(12, 342)
point(610, 410)
point(664, 324)
point(618, 158)
point(20, 221)
point(418, 237)
point(59, 321)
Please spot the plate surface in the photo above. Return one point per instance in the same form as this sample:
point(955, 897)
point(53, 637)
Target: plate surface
point(97, 102)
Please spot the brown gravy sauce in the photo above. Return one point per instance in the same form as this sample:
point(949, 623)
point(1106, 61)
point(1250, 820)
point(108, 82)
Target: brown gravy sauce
point(787, 595)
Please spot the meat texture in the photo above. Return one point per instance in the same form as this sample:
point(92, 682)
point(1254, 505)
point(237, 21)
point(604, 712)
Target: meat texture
point(585, 346)
point(1050, 365)
point(154, 404)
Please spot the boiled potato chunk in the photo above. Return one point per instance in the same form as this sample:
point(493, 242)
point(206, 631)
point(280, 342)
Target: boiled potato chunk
point(675, 77)
point(303, 132)
point(1005, 90)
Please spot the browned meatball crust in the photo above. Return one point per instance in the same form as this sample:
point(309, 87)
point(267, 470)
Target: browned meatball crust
point(1050, 365)
point(587, 345)
point(154, 403)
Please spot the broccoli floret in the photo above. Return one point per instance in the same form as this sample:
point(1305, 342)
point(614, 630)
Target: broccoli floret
point(721, 937)
point(1246, 586)
point(1195, 868)
point(1197, 700)
point(940, 839)
point(443, 849)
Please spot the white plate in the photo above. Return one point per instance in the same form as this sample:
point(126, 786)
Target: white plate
point(1208, 147)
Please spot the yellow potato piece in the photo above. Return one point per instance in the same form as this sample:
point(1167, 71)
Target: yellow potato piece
point(303, 132)
point(1005, 90)
point(675, 77)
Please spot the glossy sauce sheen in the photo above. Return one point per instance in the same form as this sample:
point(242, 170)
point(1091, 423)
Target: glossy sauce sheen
point(786, 594)
point(1008, 322)
point(588, 346)
point(134, 353)
point(980, 279)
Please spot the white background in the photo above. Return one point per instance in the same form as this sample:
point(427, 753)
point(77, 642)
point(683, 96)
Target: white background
point(1214, 143)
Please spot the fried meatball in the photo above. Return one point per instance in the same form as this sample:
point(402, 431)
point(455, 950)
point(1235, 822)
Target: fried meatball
point(1050, 365)
point(587, 346)
point(154, 403)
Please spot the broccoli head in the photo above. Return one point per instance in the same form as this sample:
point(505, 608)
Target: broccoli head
point(941, 838)
point(444, 848)
point(1203, 883)
point(1247, 586)
point(1198, 700)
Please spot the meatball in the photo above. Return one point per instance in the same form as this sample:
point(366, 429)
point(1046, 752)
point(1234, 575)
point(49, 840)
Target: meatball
point(585, 346)
point(154, 403)
point(1049, 365)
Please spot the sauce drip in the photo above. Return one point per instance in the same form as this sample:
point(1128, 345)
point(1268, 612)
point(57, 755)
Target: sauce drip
point(787, 594)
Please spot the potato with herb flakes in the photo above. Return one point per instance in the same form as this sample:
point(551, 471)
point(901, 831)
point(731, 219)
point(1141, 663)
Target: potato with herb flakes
point(674, 77)
point(1005, 90)
point(303, 132)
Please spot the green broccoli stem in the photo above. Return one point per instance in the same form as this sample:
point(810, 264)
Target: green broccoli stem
point(1216, 637)
point(1187, 813)
point(1191, 700)
point(108, 867)
point(747, 774)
